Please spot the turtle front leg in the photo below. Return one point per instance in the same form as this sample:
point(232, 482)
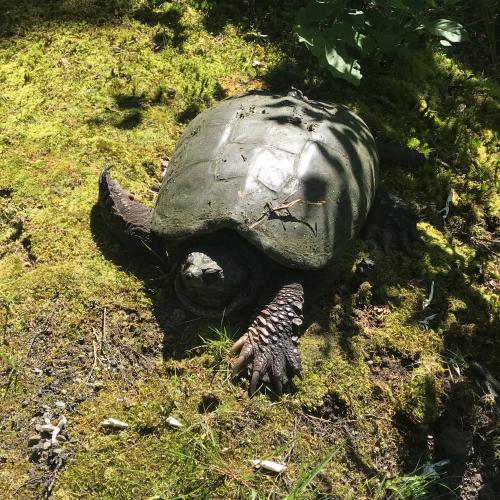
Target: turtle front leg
point(269, 348)
point(391, 222)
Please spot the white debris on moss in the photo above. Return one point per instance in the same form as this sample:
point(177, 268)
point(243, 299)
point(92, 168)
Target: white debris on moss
point(268, 465)
point(173, 422)
point(113, 423)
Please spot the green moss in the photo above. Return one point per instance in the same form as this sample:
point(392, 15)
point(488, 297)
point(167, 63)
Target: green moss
point(84, 85)
point(418, 395)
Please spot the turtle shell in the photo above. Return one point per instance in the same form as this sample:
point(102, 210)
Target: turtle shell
point(294, 177)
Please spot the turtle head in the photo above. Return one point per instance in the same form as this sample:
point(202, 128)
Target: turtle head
point(215, 276)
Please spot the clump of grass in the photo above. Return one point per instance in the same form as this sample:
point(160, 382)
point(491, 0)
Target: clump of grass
point(218, 343)
point(406, 487)
point(306, 477)
point(10, 372)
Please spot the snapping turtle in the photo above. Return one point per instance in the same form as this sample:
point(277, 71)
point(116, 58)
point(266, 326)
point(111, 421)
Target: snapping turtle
point(261, 191)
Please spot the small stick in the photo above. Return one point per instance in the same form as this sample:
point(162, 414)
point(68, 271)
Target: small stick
point(103, 331)
point(283, 206)
point(50, 485)
point(95, 360)
point(33, 480)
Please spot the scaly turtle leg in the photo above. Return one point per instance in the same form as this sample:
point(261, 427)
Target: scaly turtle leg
point(269, 348)
point(391, 222)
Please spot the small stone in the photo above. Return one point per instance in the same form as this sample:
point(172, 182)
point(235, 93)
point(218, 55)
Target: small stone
point(37, 371)
point(45, 445)
point(64, 391)
point(34, 439)
point(38, 427)
point(36, 452)
point(47, 428)
point(370, 362)
point(25, 403)
point(61, 405)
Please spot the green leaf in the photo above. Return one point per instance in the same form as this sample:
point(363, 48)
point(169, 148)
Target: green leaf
point(341, 64)
point(345, 33)
point(450, 30)
point(331, 54)
point(399, 5)
point(315, 12)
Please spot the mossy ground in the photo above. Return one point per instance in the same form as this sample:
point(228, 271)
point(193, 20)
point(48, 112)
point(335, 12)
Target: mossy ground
point(84, 84)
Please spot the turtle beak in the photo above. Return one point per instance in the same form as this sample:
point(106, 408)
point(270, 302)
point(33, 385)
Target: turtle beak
point(211, 275)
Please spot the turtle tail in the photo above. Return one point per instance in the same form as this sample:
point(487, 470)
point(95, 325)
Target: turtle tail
point(128, 220)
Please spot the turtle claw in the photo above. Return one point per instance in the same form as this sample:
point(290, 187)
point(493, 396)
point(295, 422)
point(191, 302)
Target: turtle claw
point(392, 223)
point(269, 347)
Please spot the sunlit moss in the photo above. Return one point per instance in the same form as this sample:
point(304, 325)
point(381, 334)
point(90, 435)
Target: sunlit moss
point(84, 87)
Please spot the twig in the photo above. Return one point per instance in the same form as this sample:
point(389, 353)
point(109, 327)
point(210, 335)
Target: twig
point(50, 483)
point(482, 242)
point(95, 360)
point(283, 206)
point(286, 458)
point(103, 330)
point(33, 480)
point(376, 417)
